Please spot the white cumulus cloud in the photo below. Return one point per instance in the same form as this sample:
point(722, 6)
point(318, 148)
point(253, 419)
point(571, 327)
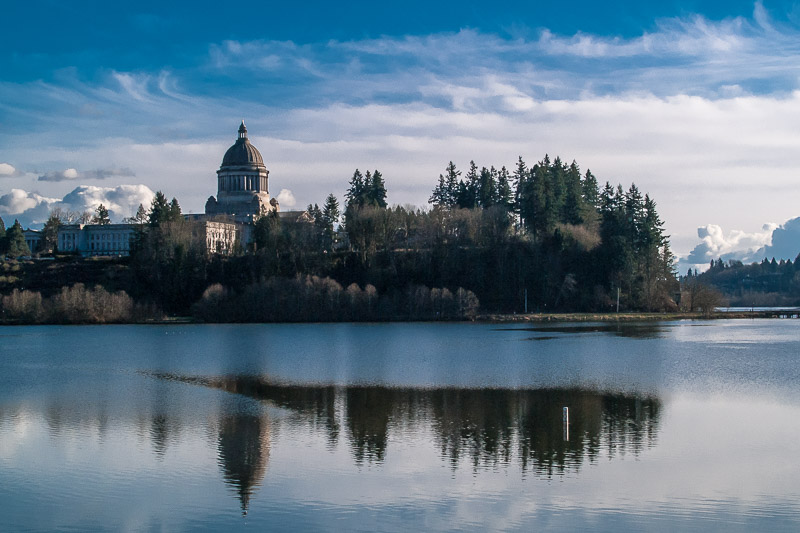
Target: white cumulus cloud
point(286, 198)
point(715, 244)
point(32, 209)
point(8, 171)
point(778, 241)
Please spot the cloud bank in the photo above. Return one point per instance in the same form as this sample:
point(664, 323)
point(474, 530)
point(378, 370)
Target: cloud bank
point(778, 241)
point(98, 174)
point(32, 209)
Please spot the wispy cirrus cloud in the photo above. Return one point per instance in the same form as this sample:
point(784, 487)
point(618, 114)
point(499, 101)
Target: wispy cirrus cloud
point(700, 113)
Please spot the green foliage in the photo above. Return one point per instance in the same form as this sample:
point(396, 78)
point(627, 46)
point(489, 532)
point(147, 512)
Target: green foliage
point(267, 234)
point(14, 242)
point(764, 284)
point(162, 211)
point(140, 217)
point(101, 216)
point(170, 264)
point(545, 231)
point(50, 233)
point(366, 190)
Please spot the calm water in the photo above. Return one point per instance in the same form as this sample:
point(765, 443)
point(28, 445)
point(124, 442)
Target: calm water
point(398, 427)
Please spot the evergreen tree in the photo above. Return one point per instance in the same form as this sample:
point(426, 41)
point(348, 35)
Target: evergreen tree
point(330, 217)
point(572, 211)
point(15, 244)
point(50, 232)
point(140, 217)
point(376, 192)
point(356, 193)
point(159, 210)
point(315, 213)
point(330, 211)
point(2, 225)
point(440, 197)
point(543, 208)
point(452, 178)
point(486, 194)
point(468, 189)
point(267, 233)
point(101, 216)
point(505, 194)
point(528, 201)
point(555, 193)
point(174, 213)
point(591, 193)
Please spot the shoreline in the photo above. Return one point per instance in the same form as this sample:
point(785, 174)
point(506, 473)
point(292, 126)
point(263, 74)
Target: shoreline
point(632, 316)
point(489, 318)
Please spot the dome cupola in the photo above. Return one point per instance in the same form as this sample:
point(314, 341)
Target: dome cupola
point(242, 153)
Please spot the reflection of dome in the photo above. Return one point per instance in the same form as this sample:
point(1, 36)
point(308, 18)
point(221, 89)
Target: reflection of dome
point(242, 152)
point(243, 453)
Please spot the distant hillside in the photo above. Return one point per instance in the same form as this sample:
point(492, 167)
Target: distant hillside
point(768, 283)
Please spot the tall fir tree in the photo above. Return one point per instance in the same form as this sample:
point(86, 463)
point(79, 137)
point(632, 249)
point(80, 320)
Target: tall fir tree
point(376, 190)
point(15, 244)
point(505, 194)
point(572, 211)
point(356, 192)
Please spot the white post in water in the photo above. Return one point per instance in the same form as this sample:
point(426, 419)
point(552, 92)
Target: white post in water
point(566, 423)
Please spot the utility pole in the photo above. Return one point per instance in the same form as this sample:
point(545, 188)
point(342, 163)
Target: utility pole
point(617, 300)
point(526, 301)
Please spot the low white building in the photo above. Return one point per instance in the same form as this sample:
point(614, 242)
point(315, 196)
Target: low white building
point(34, 239)
point(220, 237)
point(91, 240)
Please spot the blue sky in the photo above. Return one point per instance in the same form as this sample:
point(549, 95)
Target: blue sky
point(696, 102)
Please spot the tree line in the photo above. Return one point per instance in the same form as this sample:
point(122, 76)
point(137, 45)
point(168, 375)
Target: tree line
point(759, 284)
point(74, 304)
point(544, 237)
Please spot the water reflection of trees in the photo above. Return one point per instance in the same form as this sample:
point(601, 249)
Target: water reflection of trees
point(479, 427)
point(473, 428)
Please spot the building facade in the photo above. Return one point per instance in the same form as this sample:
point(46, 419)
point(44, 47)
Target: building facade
point(91, 240)
point(242, 183)
point(242, 197)
point(34, 239)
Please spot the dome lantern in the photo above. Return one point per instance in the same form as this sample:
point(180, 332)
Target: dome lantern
point(242, 153)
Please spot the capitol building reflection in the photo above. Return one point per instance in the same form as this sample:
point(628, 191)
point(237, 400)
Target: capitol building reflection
point(471, 428)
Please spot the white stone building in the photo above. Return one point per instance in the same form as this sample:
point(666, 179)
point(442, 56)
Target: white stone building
point(97, 239)
point(242, 197)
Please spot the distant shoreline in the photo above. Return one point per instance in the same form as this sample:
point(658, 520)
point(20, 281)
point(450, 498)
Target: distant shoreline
point(489, 318)
point(632, 316)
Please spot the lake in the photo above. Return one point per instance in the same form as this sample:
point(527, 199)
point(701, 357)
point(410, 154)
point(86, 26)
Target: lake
point(688, 425)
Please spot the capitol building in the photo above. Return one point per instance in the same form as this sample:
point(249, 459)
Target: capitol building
point(242, 183)
point(242, 197)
